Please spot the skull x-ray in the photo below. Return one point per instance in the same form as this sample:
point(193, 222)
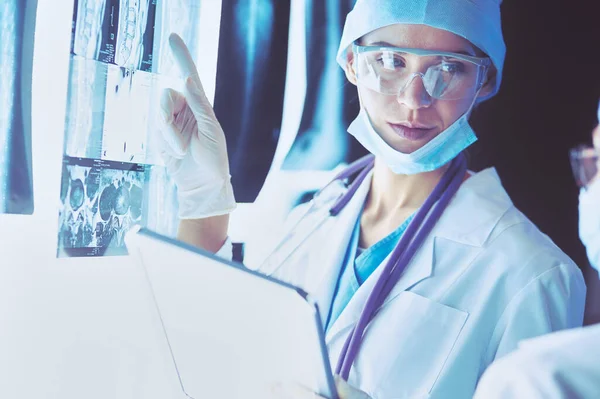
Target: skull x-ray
point(112, 177)
point(17, 23)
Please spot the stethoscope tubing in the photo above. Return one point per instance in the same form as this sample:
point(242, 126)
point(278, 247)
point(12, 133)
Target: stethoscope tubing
point(366, 164)
point(410, 242)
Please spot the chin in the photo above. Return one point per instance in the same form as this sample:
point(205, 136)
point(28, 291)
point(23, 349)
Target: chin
point(407, 148)
point(403, 145)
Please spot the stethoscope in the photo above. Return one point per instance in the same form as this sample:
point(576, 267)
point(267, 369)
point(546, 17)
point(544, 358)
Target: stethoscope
point(337, 193)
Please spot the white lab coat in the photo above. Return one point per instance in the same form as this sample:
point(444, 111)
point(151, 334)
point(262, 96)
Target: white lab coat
point(483, 280)
point(565, 364)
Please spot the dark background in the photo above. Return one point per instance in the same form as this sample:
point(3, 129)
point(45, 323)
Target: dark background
point(546, 105)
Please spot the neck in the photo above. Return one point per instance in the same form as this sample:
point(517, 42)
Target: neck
point(391, 193)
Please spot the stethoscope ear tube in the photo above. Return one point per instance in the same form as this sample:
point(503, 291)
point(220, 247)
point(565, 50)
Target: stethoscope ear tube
point(343, 201)
point(415, 235)
point(362, 165)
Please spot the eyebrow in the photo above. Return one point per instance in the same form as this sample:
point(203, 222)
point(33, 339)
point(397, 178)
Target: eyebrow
point(463, 52)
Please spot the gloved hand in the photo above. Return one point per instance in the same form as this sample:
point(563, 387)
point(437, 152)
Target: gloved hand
point(192, 144)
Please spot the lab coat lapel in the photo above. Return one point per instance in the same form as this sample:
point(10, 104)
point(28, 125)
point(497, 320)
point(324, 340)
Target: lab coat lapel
point(420, 268)
point(327, 250)
point(478, 205)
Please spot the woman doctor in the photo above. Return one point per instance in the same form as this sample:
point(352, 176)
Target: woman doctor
point(482, 278)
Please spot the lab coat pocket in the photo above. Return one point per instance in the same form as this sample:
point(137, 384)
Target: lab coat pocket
point(410, 340)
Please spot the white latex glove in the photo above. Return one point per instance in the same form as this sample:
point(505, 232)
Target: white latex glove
point(192, 144)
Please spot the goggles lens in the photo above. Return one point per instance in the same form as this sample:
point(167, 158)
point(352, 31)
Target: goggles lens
point(584, 162)
point(448, 76)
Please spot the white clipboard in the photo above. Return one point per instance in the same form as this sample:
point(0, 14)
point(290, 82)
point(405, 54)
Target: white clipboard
point(232, 332)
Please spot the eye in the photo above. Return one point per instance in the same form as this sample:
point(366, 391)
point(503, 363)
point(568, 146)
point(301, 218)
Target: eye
point(389, 60)
point(452, 67)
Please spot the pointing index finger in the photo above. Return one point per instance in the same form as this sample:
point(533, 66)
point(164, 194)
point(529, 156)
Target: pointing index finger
point(183, 58)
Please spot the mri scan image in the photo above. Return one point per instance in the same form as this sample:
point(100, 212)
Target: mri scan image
point(101, 201)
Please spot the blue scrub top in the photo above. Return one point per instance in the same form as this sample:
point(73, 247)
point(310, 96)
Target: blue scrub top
point(359, 264)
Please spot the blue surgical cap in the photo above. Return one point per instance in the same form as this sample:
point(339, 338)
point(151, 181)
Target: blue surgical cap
point(478, 21)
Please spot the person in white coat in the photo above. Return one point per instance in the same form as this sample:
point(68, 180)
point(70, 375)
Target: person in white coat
point(480, 280)
point(565, 364)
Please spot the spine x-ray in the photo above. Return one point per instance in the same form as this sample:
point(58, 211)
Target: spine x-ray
point(115, 32)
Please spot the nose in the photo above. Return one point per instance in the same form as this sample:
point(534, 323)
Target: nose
point(414, 95)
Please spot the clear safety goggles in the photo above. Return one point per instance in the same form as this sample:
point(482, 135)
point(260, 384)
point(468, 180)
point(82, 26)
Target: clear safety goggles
point(450, 76)
point(585, 164)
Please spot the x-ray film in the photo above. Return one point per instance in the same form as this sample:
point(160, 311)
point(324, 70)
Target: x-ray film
point(17, 22)
point(175, 16)
point(101, 201)
point(112, 176)
point(119, 32)
point(111, 111)
point(133, 33)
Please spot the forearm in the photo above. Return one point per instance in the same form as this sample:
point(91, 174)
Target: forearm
point(208, 233)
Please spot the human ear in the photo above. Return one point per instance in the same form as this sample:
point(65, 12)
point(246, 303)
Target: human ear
point(489, 84)
point(350, 69)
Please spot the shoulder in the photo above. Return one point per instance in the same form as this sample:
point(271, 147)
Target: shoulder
point(528, 252)
point(485, 216)
point(560, 362)
point(511, 255)
point(566, 343)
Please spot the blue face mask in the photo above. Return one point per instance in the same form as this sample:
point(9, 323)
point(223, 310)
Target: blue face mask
point(436, 153)
point(589, 222)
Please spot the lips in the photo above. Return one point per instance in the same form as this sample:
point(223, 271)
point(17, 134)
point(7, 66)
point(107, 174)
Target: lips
point(412, 133)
